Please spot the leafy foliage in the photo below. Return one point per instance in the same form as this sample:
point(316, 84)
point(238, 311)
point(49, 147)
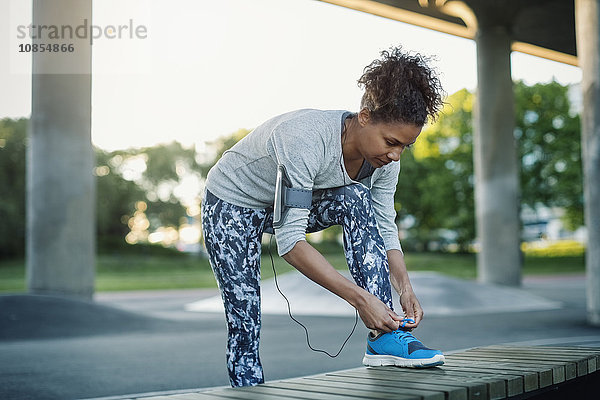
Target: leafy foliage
point(119, 188)
point(13, 145)
point(151, 175)
point(116, 199)
point(550, 149)
point(435, 189)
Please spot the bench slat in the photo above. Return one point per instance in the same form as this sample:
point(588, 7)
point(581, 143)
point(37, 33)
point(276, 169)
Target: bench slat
point(329, 389)
point(532, 374)
point(496, 387)
point(475, 390)
point(593, 358)
point(513, 384)
point(232, 393)
point(580, 362)
point(452, 392)
point(193, 396)
point(564, 369)
point(555, 371)
point(367, 384)
point(485, 373)
point(282, 393)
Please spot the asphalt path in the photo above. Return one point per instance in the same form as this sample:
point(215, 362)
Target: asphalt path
point(142, 342)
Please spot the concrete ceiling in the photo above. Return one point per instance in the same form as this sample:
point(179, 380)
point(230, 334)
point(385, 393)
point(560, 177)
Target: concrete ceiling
point(545, 28)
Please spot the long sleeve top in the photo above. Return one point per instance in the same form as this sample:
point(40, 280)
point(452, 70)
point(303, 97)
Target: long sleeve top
point(308, 143)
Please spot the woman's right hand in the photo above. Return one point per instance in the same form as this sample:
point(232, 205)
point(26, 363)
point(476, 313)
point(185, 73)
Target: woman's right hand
point(376, 315)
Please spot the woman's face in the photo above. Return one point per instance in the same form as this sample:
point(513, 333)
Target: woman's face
point(381, 143)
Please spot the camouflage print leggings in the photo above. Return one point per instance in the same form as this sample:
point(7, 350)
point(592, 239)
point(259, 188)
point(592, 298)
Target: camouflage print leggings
point(233, 235)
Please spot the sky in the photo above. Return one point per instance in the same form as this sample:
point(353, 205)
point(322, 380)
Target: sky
point(208, 68)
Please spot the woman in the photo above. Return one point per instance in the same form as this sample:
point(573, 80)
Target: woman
point(349, 165)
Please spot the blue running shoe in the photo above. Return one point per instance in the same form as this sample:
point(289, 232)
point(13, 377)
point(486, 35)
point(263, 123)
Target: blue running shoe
point(400, 348)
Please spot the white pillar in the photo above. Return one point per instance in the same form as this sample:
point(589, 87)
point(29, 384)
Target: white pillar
point(60, 182)
point(496, 161)
point(587, 17)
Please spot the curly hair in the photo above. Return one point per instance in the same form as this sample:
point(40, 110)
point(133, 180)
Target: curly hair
point(401, 87)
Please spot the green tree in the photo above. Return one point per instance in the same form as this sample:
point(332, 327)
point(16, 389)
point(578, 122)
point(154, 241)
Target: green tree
point(116, 200)
point(152, 175)
point(13, 146)
point(549, 138)
point(435, 188)
point(118, 189)
point(166, 167)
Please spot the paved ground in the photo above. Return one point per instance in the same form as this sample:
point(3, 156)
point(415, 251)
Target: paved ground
point(139, 342)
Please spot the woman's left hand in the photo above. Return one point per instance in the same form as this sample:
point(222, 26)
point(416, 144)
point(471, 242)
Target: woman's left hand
point(411, 307)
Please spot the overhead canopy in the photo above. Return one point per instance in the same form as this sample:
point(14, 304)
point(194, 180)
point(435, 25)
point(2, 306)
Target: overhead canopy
point(544, 28)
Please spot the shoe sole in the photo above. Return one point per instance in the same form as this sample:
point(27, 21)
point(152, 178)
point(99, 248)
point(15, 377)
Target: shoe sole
point(379, 361)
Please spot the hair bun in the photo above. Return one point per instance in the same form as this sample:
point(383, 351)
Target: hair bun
point(401, 87)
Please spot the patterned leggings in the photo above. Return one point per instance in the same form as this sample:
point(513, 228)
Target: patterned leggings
point(233, 235)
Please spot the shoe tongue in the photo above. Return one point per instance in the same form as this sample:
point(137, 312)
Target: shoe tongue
point(403, 333)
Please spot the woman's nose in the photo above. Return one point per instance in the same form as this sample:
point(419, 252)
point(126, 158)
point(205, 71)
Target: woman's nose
point(394, 155)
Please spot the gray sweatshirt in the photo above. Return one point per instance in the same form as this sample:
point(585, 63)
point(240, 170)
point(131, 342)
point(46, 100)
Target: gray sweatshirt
point(308, 143)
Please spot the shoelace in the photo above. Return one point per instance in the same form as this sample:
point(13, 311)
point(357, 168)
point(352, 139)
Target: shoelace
point(405, 335)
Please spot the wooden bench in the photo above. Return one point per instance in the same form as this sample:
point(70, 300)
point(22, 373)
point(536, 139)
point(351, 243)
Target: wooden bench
point(494, 372)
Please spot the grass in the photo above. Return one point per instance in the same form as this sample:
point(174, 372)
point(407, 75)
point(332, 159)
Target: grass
point(116, 272)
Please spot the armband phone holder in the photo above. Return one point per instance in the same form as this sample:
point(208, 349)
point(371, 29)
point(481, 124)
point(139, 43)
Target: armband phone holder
point(287, 197)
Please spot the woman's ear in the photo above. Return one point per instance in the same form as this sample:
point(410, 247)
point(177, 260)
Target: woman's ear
point(364, 116)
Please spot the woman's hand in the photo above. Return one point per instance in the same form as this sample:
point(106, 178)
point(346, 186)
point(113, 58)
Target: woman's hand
point(411, 307)
point(401, 282)
point(373, 312)
point(376, 315)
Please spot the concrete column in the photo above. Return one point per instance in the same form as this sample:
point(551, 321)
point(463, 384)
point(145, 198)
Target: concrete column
point(587, 17)
point(496, 164)
point(60, 183)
